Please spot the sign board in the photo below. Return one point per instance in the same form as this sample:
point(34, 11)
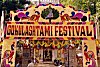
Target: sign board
point(50, 21)
point(50, 31)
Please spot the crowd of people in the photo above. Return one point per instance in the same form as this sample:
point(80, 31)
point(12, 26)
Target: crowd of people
point(58, 63)
point(31, 63)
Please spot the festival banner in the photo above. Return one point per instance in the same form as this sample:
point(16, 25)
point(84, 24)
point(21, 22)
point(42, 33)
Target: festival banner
point(64, 32)
point(53, 12)
point(8, 53)
point(89, 53)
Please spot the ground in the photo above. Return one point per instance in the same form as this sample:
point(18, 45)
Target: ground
point(45, 65)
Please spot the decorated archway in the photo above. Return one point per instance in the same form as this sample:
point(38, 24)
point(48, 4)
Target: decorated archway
point(51, 26)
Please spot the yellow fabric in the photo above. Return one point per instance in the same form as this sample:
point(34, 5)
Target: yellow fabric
point(42, 43)
point(50, 44)
point(97, 42)
point(38, 43)
point(46, 44)
point(58, 43)
point(1, 43)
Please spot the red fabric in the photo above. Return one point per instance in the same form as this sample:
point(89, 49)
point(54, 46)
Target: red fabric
point(11, 53)
point(86, 56)
point(97, 48)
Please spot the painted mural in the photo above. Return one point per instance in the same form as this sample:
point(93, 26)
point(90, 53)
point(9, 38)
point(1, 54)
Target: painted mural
point(90, 57)
point(8, 52)
point(50, 13)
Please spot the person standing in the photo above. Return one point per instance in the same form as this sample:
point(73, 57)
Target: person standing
point(31, 64)
point(18, 64)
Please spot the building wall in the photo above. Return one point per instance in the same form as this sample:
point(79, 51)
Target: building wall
point(50, 1)
point(44, 1)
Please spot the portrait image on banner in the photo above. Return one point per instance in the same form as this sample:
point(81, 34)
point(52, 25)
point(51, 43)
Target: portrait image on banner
point(8, 53)
point(89, 53)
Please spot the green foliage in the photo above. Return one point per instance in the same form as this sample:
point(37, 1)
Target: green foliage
point(98, 11)
point(92, 5)
point(45, 12)
point(98, 8)
point(55, 13)
point(65, 2)
point(81, 4)
point(24, 2)
point(74, 3)
point(20, 6)
point(12, 5)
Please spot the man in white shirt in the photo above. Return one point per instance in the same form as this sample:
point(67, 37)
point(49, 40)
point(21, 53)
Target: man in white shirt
point(31, 64)
point(60, 64)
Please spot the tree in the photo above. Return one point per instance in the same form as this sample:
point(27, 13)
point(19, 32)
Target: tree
point(75, 3)
point(98, 10)
point(24, 2)
point(82, 4)
point(12, 5)
point(50, 13)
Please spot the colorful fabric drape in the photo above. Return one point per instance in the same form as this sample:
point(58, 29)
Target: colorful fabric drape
point(1, 43)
